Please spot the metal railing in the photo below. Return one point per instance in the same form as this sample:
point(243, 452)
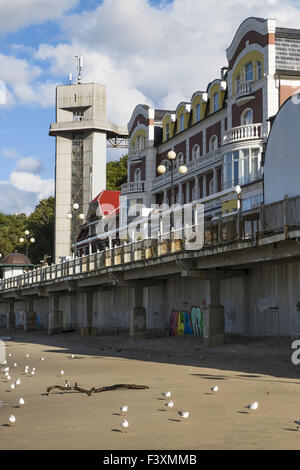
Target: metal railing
point(223, 230)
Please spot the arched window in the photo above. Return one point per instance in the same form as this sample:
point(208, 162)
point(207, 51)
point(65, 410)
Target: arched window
point(249, 72)
point(179, 160)
point(196, 152)
point(247, 117)
point(211, 187)
point(167, 131)
point(216, 102)
point(138, 175)
point(258, 70)
point(166, 163)
point(213, 143)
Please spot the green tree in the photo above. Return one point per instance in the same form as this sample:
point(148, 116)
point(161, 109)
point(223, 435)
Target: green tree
point(41, 225)
point(116, 174)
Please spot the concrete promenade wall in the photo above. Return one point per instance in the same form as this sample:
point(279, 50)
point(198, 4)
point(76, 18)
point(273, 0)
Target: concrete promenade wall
point(266, 302)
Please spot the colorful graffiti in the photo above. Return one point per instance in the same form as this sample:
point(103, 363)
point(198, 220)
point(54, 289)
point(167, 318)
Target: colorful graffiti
point(187, 322)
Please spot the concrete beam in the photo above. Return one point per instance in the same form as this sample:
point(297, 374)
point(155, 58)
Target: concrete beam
point(208, 275)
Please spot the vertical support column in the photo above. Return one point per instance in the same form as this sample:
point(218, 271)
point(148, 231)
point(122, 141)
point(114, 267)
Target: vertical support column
point(11, 316)
point(30, 316)
point(138, 314)
point(214, 317)
point(55, 323)
point(88, 329)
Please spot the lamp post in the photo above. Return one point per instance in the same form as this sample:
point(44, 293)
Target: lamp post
point(162, 169)
point(77, 216)
point(27, 241)
point(238, 190)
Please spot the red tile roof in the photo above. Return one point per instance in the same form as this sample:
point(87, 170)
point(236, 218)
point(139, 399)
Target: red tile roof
point(109, 202)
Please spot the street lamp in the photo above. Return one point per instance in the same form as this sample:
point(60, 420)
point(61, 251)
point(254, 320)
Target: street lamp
point(27, 240)
point(77, 216)
point(161, 170)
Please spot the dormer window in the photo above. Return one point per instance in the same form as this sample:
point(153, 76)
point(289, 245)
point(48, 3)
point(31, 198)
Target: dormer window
point(216, 102)
point(167, 130)
point(181, 123)
point(198, 115)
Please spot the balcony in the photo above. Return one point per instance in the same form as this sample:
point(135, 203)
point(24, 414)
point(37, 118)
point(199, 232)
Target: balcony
point(135, 187)
point(137, 154)
point(247, 132)
point(244, 93)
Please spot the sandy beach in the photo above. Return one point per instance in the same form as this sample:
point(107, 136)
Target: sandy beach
point(246, 370)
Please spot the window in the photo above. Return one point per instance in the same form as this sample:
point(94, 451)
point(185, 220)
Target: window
point(167, 131)
point(181, 123)
point(198, 114)
point(255, 170)
point(242, 167)
point(247, 117)
point(138, 175)
point(216, 102)
point(78, 116)
point(196, 152)
point(180, 160)
point(213, 143)
point(258, 70)
point(249, 72)
point(211, 187)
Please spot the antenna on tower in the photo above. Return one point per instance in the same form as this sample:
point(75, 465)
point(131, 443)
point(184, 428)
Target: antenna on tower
point(70, 78)
point(79, 64)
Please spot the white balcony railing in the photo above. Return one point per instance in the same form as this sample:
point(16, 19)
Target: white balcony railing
point(236, 134)
point(244, 88)
point(137, 154)
point(135, 187)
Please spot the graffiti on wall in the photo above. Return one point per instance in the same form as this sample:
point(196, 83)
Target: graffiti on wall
point(187, 322)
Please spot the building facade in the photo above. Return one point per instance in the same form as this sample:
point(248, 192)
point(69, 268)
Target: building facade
point(220, 134)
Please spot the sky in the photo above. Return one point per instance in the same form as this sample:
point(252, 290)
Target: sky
point(155, 52)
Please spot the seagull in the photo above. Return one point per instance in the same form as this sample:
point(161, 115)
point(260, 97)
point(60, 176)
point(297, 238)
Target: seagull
point(6, 374)
point(73, 356)
point(9, 355)
point(34, 368)
point(252, 406)
point(12, 386)
point(8, 377)
point(184, 414)
point(5, 362)
point(214, 389)
point(6, 369)
point(27, 355)
point(62, 372)
point(169, 405)
point(166, 395)
point(21, 402)
point(124, 409)
point(32, 372)
point(15, 364)
point(18, 381)
point(42, 359)
point(11, 420)
point(124, 425)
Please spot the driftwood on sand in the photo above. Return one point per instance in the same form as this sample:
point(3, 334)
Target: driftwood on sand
point(68, 388)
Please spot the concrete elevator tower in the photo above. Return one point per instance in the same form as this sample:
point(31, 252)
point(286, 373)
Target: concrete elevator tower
point(81, 132)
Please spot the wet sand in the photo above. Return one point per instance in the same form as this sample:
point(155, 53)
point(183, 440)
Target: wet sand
point(245, 370)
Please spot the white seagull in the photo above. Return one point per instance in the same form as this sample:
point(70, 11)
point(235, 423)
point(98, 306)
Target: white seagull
point(21, 402)
point(62, 372)
point(42, 359)
point(252, 406)
point(166, 394)
point(124, 409)
point(124, 425)
point(73, 356)
point(184, 414)
point(32, 372)
point(18, 381)
point(11, 420)
point(15, 364)
point(214, 389)
point(12, 387)
point(27, 355)
point(169, 405)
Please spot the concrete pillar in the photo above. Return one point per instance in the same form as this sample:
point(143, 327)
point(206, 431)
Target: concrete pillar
point(138, 315)
point(55, 324)
point(11, 320)
point(88, 329)
point(30, 316)
point(214, 318)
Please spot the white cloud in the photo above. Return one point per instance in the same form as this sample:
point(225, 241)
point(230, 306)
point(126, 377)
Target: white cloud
point(30, 182)
point(155, 56)
point(10, 153)
point(29, 164)
point(16, 14)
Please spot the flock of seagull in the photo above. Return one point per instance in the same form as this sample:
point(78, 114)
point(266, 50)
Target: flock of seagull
point(6, 371)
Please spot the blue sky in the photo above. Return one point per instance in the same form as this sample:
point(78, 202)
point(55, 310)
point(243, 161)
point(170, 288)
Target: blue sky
point(152, 52)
